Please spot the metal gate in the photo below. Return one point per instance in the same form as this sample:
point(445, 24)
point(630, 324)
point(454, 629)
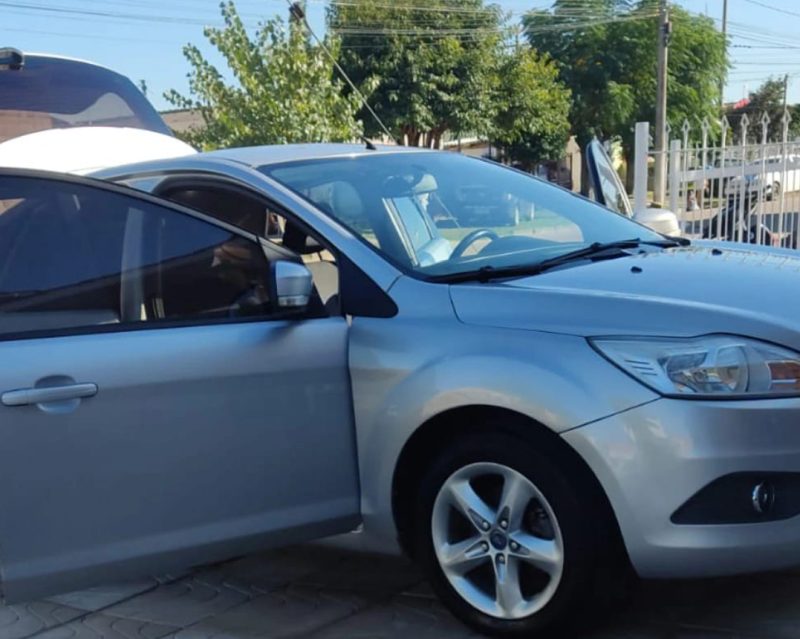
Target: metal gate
point(729, 183)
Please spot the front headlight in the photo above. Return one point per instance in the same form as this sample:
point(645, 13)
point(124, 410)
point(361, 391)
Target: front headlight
point(712, 366)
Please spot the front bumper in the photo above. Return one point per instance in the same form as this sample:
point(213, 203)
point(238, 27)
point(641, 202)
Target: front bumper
point(650, 460)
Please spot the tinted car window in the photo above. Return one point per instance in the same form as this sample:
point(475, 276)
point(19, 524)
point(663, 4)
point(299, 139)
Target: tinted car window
point(75, 256)
point(53, 93)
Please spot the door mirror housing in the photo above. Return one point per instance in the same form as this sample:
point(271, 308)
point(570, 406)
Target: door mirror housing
point(605, 186)
point(292, 286)
point(661, 221)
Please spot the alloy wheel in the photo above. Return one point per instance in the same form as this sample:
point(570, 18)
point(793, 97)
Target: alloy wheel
point(497, 540)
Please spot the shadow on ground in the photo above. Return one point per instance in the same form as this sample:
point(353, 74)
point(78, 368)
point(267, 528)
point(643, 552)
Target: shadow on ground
point(329, 593)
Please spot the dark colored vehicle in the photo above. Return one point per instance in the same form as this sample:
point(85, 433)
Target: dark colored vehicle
point(41, 92)
point(741, 212)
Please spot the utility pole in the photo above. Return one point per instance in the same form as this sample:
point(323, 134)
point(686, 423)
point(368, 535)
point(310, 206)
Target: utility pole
point(725, 38)
point(785, 90)
point(297, 12)
point(661, 103)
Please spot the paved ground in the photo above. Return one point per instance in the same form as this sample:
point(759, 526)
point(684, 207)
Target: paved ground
point(325, 593)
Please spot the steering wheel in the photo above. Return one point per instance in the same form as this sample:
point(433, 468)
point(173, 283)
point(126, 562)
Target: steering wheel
point(469, 239)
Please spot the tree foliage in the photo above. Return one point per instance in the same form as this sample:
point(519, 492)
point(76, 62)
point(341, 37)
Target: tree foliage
point(284, 90)
point(433, 69)
point(606, 51)
point(532, 122)
point(768, 98)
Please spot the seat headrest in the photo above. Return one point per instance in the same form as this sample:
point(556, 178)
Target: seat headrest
point(427, 184)
point(345, 201)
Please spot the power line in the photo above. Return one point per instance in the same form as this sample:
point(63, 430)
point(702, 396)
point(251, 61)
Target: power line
point(408, 7)
point(764, 46)
point(302, 16)
point(771, 8)
point(87, 36)
point(370, 31)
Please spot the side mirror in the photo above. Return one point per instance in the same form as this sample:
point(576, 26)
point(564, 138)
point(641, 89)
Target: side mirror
point(660, 220)
point(292, 285)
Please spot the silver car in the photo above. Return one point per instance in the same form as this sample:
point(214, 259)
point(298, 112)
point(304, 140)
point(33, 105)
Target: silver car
point(270, 345)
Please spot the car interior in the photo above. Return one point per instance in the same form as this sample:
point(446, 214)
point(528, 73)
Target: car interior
point(253, 213)
point(399, 215)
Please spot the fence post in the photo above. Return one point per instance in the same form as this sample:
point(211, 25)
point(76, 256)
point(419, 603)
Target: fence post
point(674, 175)
point(705, 126)
point(759, 238)
point(741, 217)
point(640, 157)
point(722, 183)
point(786, 119)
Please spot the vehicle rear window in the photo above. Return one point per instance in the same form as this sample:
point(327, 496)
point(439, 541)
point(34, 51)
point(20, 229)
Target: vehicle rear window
point(53, 93)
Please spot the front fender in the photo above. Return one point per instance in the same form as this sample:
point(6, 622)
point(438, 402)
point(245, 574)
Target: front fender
point(407, 370)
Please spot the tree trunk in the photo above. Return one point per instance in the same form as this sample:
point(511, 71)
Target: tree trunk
point(412, 135)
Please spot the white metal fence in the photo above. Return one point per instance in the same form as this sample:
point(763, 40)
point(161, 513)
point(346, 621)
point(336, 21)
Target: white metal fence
point(739, 183)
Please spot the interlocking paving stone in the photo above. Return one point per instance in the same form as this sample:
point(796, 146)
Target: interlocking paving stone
point(330, 593)
point(101, 626)
point(667, 603)
point(268, 571)
point(94, 599)
point(179, 604)
point(373, 575)
point(765, 606)
point(402, 617)
point(422, 589)
point(624, 631)
point(699, 633)
point(289, 612)
point(22, 620)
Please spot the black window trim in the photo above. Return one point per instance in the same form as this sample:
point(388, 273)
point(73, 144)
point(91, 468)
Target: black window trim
point(135, 194)
point(127, 191)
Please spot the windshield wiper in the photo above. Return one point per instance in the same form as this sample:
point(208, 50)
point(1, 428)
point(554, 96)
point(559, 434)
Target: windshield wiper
point(596, 249)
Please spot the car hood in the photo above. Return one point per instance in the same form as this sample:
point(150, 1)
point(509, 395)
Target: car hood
point(687, 291)
point(82, 150)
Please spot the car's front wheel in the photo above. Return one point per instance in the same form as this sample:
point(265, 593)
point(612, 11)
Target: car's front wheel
point(506, 536)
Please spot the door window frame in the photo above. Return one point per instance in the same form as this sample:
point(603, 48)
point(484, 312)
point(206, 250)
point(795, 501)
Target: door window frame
point(269, 250)
point(360, 290)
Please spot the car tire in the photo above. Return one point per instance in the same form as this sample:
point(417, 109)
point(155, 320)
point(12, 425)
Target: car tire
point(559, 522)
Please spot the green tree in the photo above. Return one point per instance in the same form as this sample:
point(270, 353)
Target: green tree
point(532, 122)
point(433, 68)
point(285, 88)
point(768, 98)
point(606, 53)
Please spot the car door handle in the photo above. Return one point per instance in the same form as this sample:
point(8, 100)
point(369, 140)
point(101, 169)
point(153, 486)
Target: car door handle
point(26, 396)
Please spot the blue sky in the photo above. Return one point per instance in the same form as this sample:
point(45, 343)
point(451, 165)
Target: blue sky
point(143, 38)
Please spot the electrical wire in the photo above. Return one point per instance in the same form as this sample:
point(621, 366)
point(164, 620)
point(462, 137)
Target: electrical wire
point(344, 75)
point(770, 7)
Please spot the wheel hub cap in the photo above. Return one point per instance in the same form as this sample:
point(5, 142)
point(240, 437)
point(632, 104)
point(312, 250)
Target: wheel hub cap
point(498, 540)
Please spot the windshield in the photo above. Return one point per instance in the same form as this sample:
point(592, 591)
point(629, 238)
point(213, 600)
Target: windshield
point(53, 93)
point(437, 214)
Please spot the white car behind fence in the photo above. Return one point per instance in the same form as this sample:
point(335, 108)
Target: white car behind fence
point(738, 185)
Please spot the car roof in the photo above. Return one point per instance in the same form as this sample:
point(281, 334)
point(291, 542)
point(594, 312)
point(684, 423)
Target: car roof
point(55, 56)
point(254, 157)
point(276, 154)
